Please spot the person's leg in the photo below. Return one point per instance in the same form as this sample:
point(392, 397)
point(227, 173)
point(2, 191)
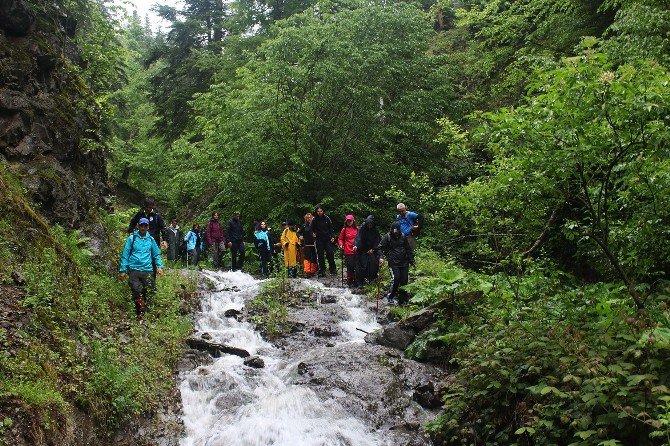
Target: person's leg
point(216, 254)
point(233, 257)
point(320, 257)
point(393, 287)
point(350, 263)
point(360, 269)
point(403, 278)
point(137, 283)
point(240, 263)
point(373, 267)
point(330, 254)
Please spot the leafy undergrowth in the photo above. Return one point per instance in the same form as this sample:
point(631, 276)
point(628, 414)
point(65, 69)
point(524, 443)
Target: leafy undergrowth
point(544, 360)
point(78, 348)
point(268, 310)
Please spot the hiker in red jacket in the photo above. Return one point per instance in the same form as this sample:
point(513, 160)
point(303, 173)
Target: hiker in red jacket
point(216, 240)
point(346, 243)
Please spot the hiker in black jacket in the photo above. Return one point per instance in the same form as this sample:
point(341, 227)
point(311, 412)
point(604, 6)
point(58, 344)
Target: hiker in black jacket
point(366, 247)
point(235, 234)
point(399, 255)
point(156, 223)
point(322, 229)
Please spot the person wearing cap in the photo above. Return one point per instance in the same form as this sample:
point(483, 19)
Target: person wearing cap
point(140, 254)
point(366, 246)
point(310, 264)
point(346, 243)
point(290, 243)
point(156, 228)
point(410, 223)
point(235, 233)
point(322, 229)
point(399, 255)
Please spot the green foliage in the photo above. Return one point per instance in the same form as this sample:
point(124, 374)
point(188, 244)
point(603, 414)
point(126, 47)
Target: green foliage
point(586, 147)
point(565, 368)
point(639, 31)
point(327, 86)
point(81, 345)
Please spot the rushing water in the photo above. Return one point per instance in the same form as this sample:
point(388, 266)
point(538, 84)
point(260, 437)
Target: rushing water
point(229, 404)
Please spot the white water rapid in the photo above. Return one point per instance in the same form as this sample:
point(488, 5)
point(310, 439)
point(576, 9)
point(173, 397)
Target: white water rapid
point(229, 404)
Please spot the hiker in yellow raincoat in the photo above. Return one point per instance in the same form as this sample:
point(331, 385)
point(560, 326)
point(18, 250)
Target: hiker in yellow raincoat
point(290, 244)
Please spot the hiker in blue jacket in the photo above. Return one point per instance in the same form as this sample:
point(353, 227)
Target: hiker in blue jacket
point(193, 244)
point(410, 224)
point(139, 256)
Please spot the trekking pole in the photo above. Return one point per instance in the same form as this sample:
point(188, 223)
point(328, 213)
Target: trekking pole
point(377, 310)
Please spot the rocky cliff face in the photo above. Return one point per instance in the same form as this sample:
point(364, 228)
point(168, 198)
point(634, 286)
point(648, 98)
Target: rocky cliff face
point(47, 115)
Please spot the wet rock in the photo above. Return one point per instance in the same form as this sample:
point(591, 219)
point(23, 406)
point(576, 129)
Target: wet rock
point(232, 313)
point(193, 359)
point(13, 100)
point(18, 278)
point(15, 17)
point(302, 368)
point(206, 336)
point(326, 332)
point(255, 362)
point(373, 385)
point(215, 349)
point(393, 335)
point(46, 62)
point(426, 396)
point(423, 319)
point(328, 299)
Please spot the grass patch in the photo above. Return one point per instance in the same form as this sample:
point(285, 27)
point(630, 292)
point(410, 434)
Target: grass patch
point(81, 346)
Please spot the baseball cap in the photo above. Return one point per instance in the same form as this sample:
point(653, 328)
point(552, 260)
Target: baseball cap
point(144, 221)
point(349, 217)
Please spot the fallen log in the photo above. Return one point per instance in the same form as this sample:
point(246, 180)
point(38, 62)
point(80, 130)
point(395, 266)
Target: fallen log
point(216, 349)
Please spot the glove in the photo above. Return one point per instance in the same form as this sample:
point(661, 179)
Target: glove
point(286, 245)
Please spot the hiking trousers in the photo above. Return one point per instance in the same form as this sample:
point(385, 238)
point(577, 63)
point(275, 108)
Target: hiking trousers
point(350, 261)
point(367, 267)
point(325, 250)
point(399, 277)
point(237, 250)
point(140, 283)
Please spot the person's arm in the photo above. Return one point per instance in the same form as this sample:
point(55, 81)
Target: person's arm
point(284, 239)
point(331, 229)
point(357, 239)
point(340, 239)
point(419, 220)
point(156, 254)
point(125, 255)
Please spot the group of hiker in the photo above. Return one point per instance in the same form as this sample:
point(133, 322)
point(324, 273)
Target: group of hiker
point(310, 245)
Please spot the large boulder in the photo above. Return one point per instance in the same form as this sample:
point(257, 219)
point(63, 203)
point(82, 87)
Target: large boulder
point(393, 335)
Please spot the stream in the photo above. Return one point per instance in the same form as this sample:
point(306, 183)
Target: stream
point(290, 401)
